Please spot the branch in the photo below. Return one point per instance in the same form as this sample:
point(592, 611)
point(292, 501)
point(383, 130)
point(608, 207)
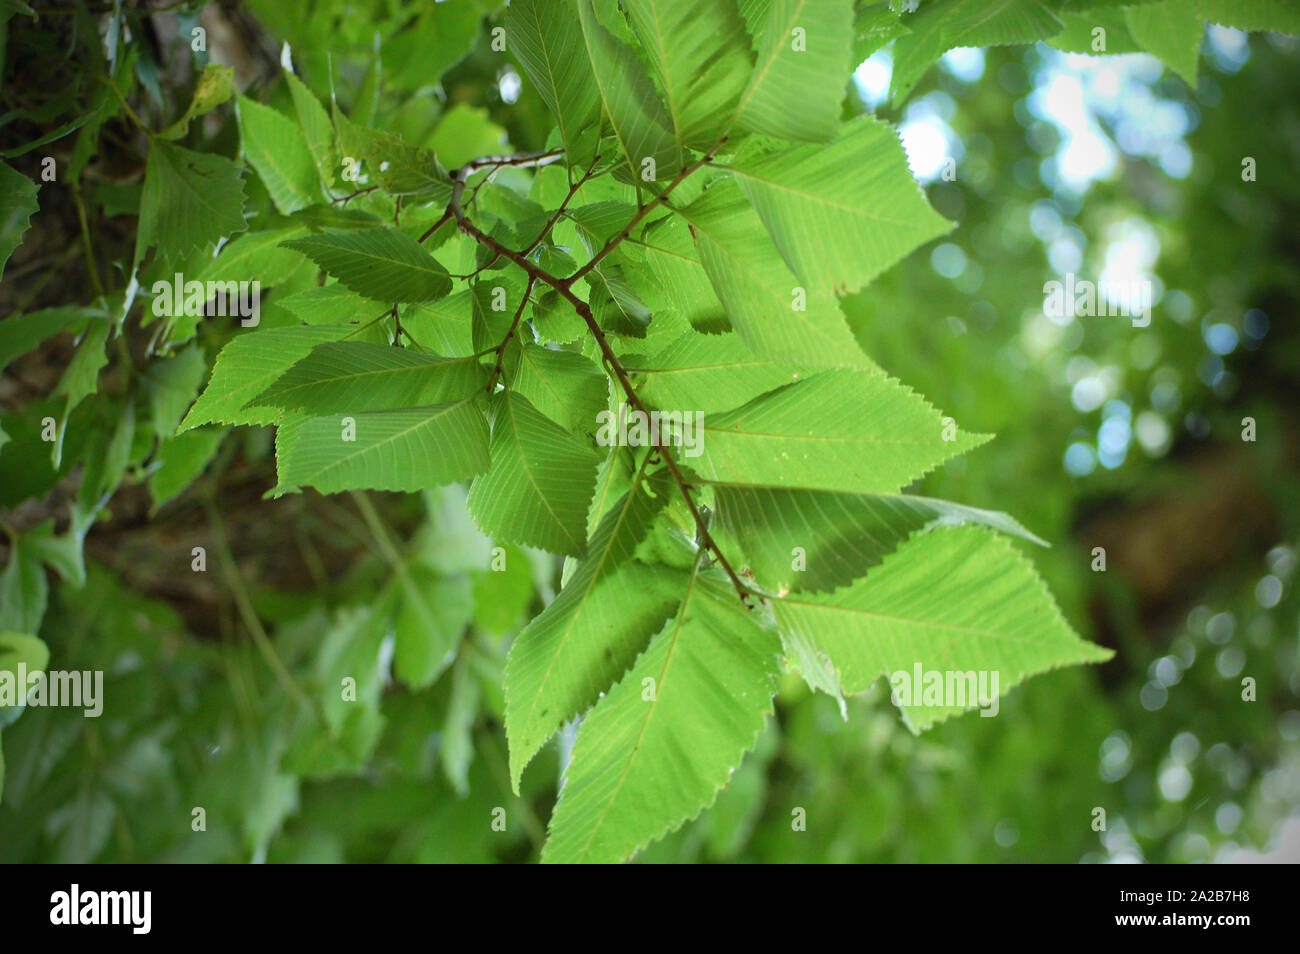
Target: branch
point(521, 160)
point(573, 190)
point(563, 286)
point(345, 199)
point(701, 525)
point(646, 209)
point(501, 348)
point(442, 219)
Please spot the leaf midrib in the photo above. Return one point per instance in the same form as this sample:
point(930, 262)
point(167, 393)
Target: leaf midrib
point(435, 413)
point(678, 622)
point(760, 73)
point(584, 593)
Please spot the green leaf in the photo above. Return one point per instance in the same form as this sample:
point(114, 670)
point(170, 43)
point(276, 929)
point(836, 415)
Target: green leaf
point(190, 199)
point(641, 124)
point(563, 385)
point(540, 482)
point(614, 305)
point(324, 218)
point(547, 39)
point(81, 378)
point(104, 468)
point(1078, 35)
point(255, 256)
point(378, 263)
point(20, 649)
point(457, 749)
point(444, 326)
point(62, 552)
point(9, 7)
point(838, 536)
point(942, 25)
point(330, 305)
point(420, 54)
point(172, 384)
point(669, 250)
point(1000, 22)
point(493, 305)
point(554, 320)
point(180, 460)
point(1281, 16)
point(216, 85)
point(804, 61)
point(407, 449)
point(591, 632)
point(248, 365)
point(27, 468)
point(318, 131)
point(350, 376)
point(430, 620)
point(839, 430)
point(874, 26)
point(761, 295)
point(350, 649)
point(700, 55)
point(17, 205)
point(24, 590)
point(598, 222)
point(707, 373)
point(1170, 31)
point(954, 600)
point(652, 755)
point(20, 334)
point(466, 132)
point(503, 596)
point(397, 167)
point(840, 214)
point(276, 148)
point(83, 826)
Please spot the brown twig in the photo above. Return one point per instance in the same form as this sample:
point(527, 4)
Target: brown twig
point(646, 209)
point(573, 190)
point(442, 220)
point(345, 199)
point(501, 348)
point(564, 287)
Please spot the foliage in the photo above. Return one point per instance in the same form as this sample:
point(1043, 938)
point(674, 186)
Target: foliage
point(683, 213)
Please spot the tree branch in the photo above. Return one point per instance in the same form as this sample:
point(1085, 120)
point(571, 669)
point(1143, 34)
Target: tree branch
point(563, 286)
point(501, 348)
point(646, 209)
point(573, 190)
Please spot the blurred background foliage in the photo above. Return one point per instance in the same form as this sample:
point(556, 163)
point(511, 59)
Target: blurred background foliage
point(1109, 435)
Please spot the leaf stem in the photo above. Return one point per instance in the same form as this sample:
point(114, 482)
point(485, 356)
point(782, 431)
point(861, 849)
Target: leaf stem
point(383, 539)
point(125, 105)
point(248, 614)
point(573, 190)
point(646, 209)
point(345, 199)
point(91, 265)
point(501, 348)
